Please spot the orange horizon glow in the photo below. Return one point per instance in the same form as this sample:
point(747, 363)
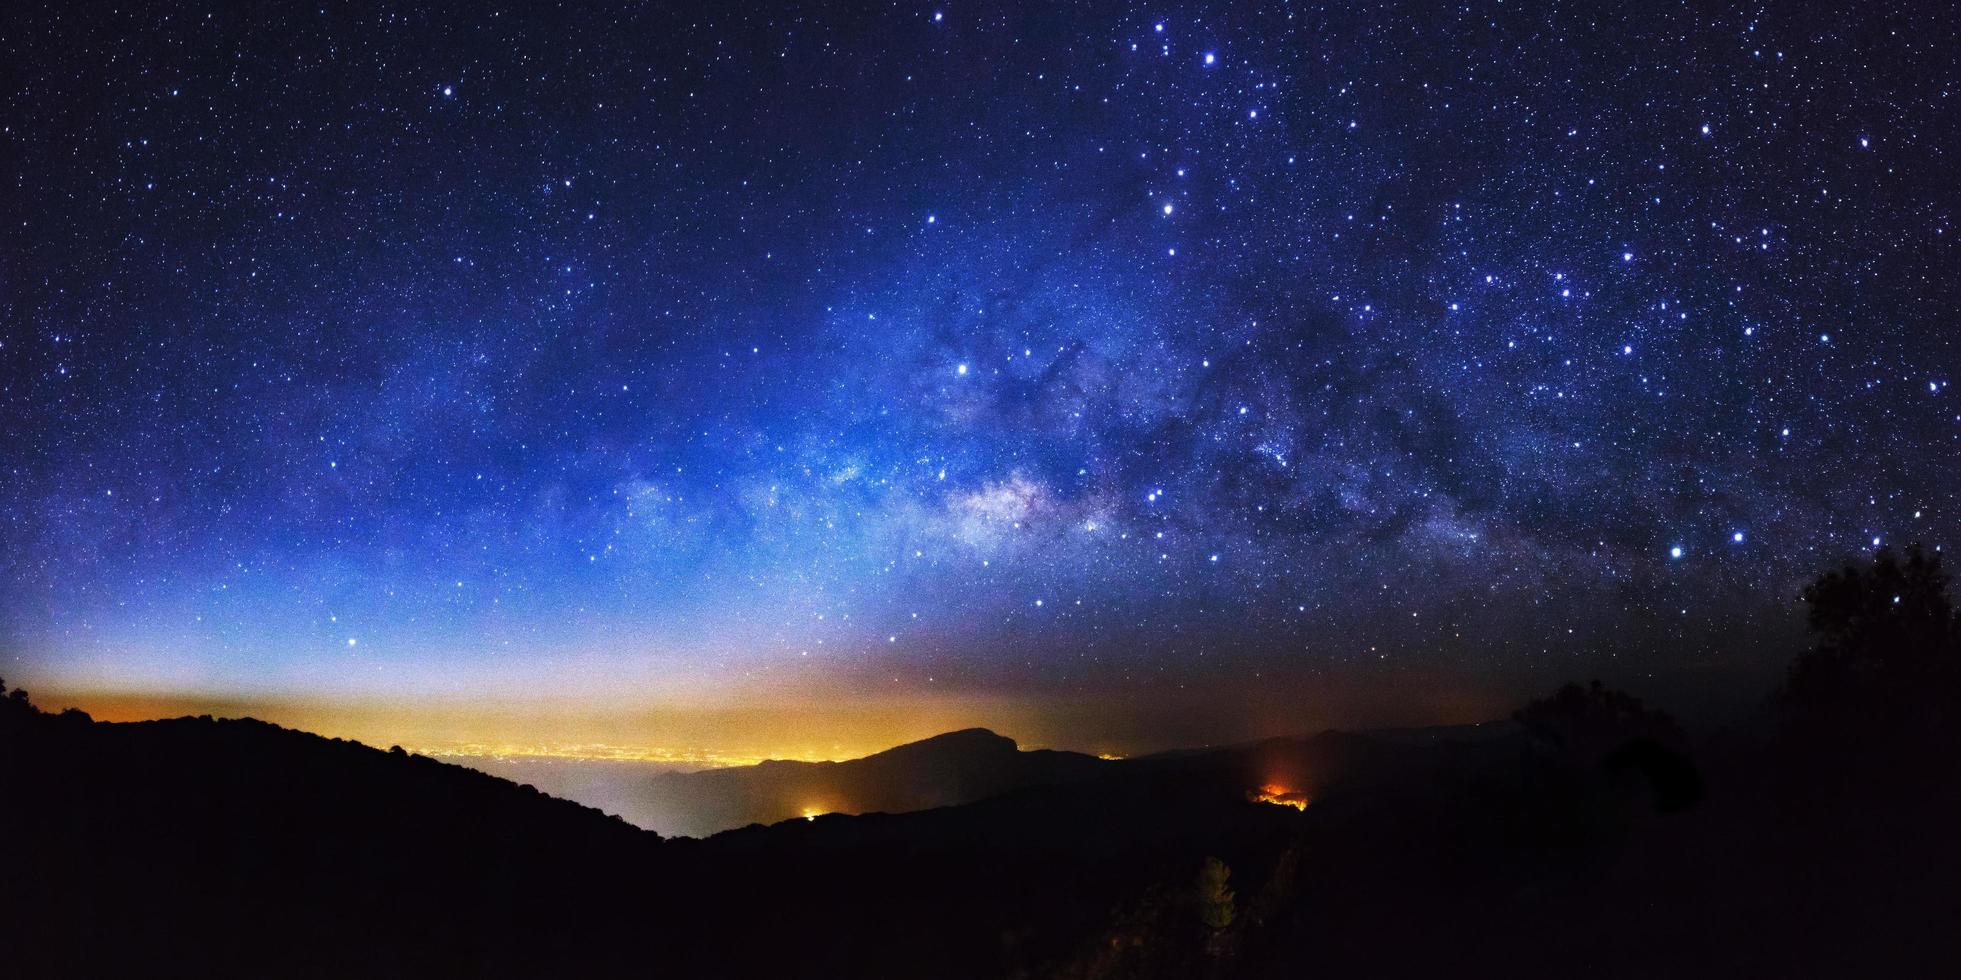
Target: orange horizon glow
point(686, 736)
point(813, 725)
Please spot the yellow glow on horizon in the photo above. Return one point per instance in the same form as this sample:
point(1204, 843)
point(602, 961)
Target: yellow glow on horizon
point(695, 757)
point(814, 729)
point(815, 722)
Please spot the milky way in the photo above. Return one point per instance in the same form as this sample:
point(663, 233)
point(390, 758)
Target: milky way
point(1081, 351)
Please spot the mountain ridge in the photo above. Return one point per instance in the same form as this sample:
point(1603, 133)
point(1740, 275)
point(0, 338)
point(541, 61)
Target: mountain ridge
point(962, 766)
point(203, 847)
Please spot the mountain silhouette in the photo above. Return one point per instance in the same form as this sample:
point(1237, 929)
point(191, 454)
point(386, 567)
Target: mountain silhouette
point(196, 846)
point(945, 770)
point(199, 847)
point(1589, 834)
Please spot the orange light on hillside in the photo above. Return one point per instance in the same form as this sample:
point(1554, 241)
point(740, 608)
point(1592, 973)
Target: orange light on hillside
point(1279, 795)
point(812, 813)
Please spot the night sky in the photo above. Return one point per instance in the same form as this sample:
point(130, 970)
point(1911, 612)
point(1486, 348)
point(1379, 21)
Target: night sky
point(824, 373)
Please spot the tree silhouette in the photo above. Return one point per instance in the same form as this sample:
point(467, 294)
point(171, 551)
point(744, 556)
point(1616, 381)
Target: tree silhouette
point(14, 702)
point(1214, 894)
point(1596, 758)
point(1587, 723)
point(1884, 660)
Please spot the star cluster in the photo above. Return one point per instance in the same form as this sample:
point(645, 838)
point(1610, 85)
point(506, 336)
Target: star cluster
point(1087, 350)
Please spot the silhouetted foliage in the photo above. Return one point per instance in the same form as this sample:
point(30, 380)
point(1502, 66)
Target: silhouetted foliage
point(1884, 664)
point(1215, 896)
point(1673, 780)
point(1589, 722)
point(14, 704)
point(1597, 759)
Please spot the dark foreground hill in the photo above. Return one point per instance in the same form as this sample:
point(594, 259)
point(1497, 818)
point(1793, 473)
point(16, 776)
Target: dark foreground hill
point(946, 770)
point(235, 848)
point(196, 846)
